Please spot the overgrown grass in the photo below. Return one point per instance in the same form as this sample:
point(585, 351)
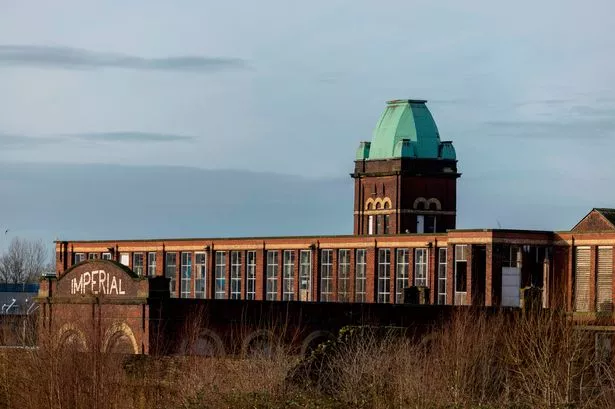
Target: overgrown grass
point(474, 361)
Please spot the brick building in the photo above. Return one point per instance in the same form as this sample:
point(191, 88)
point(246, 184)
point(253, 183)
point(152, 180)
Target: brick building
point(404, 236)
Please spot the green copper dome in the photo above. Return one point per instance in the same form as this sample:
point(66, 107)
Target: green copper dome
point(406, 129)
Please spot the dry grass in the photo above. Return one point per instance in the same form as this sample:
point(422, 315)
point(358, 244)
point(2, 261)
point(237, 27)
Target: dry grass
point(475, 361)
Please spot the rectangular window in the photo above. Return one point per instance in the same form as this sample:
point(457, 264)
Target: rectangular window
point(125, 259)
point(106, 256)
point(170, 271)
point(343, 275)
point(235, 275)
point(401, 274)
point(137, 263)
point(384, 275)
point(370, 225)
point(220, 273)
point(379, 224)
point(92, 256)
point(272, 275)
point(78, 258)
point(305, 275)
point(326, 275)
point(385, 224)
point(288, 286)
point(360, 276)
point(200, 274)
point(442, 275)
point(151, 264)
point(604, 280)
point(461, 268)
point(186, 268)
point(420, 267)
point(251, 275)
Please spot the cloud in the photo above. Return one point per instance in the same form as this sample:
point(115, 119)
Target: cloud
point(126, 136)
point(76, 58)
point(13, 141)
point(586, 128)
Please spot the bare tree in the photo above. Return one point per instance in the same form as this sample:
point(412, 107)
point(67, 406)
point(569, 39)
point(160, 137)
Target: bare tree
point(24, 261)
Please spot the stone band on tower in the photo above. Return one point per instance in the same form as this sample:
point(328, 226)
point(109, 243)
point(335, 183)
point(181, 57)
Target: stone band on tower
point(406, 178)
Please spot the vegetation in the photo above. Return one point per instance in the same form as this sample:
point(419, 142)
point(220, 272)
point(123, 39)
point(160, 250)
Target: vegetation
point(475, 361)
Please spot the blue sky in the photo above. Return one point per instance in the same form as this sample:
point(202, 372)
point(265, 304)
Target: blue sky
point(285, 91)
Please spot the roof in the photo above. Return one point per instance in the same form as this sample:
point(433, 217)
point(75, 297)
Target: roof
point(598, 219)
point(607, 213)
point(406, 129)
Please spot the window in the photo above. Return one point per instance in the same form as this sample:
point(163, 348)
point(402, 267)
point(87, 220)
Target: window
point(442, 275)
point(461, 267)
point(384, 275)
point(170, 271)
point(251, 275)
point(305, 275)
point(220, 273)
point(379, 224)
point(78, 258)
point(370, 225)
point(151, 264)
point(385, 224)
point(200, 270)
point(326, 275)
point(186, 268)
point(125, 259)
point(137, 263)
point(235, 275)
point(360, 276)
point(288, 285)
point(343, 276)
point(272, 275)
point(92, 256)
point(106, 256)
point(420, 267)
point(401, 274)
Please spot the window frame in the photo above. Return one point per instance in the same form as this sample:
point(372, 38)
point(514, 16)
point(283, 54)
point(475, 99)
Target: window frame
point(343, 275)
point(442, 279)
point(326, 275)
point(288, 275)
point(171, 274)
point(272, 275)
point(200, 275)
point(421, 267)
point(251, 275)
point(384, 276)
point(402, 273)
point(220, 276)
point(151, 264)
point(235, 275)
point(138, 268)
point(360, 288)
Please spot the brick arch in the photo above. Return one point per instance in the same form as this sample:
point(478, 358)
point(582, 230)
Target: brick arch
point(262, 336)
point(386, 203)
point(314, 339)
point(418, 201)
point(208, 343)
point(369, 204)
point(120, 336)
point(434, 201)
point(70, 334)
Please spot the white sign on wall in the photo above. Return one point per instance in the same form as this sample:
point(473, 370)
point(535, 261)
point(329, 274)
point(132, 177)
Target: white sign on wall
point(97, 282)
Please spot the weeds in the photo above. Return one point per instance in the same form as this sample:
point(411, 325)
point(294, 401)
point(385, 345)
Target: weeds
point(473, 361)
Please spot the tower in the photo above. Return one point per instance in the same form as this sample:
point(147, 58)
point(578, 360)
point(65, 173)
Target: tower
point(405, 178)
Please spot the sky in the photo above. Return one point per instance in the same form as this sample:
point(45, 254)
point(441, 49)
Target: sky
point(199, 118)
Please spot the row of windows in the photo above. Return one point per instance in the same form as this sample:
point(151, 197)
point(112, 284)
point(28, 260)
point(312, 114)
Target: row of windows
point(198, 267)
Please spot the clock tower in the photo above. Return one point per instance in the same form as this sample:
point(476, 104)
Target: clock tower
point(406, 178)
